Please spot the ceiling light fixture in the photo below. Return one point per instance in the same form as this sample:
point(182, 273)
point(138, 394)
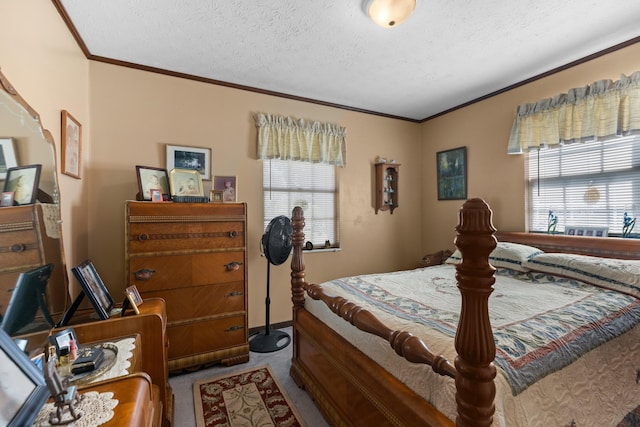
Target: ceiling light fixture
point(389, 13)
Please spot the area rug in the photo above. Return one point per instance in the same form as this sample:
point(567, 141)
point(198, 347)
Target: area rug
point(249, 398)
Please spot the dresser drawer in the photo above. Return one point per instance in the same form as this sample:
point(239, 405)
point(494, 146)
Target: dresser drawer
point(19, 250)
point(177, 271)
point(203, 336)
point(180, 236)
point(201, 301)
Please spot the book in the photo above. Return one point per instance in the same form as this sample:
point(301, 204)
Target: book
point(88, 359)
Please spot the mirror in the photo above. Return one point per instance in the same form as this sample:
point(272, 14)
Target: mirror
point(30, 234)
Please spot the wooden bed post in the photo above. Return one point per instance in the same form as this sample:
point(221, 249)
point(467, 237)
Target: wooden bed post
point(475, 387)
point(297, 277)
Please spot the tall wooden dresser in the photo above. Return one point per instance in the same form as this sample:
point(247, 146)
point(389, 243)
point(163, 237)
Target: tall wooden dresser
point(194, 256)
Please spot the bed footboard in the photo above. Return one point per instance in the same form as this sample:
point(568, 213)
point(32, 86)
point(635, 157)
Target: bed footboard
point(474, 371)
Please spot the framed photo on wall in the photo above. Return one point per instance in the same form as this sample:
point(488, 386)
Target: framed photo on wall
point(7, 156)
point(228, 185)
point(71, 145)
point(451, 166)
point(23, 183)
point(192, 158)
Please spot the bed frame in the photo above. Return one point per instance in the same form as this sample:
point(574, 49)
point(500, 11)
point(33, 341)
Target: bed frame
point(352, 390)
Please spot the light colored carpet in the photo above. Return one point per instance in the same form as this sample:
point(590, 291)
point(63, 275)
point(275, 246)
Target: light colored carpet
point(279, 361)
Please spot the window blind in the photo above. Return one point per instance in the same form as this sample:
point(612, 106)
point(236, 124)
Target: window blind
point(312, 186)
point(588, 184)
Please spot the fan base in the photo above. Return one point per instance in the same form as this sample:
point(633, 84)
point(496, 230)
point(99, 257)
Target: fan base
point(267, 342)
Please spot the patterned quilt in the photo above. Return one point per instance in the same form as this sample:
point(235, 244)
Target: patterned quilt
point(542, 325)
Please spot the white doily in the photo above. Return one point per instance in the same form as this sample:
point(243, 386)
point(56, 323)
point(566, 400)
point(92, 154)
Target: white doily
point(96, 409)
point(121, 367)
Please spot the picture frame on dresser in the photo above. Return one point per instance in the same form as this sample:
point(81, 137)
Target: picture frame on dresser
point(186, 182)
point(28, 390)
point(229, 187)
point(152, 178)
point(133, 298)
point(7, 199)
point(23, 181)
point(94, 288)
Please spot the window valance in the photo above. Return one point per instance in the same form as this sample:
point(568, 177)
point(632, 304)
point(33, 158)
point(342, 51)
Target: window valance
point(289, 138)
point(601, 110)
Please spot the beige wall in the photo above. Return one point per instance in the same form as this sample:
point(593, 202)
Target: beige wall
point(43, 62)
point(128, 116)
point(484, 129)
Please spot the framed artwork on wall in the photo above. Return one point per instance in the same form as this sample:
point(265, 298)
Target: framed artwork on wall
point(451, 167)
point(192, 158)
point(7, 156)
point(71, 145)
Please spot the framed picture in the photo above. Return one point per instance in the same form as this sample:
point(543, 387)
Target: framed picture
point(186, 182)
point(156, 195)
point(94, 288)
point(215, 196)
point(228, 185)
point(63, 339)
point(71, 145)
point(7, 199)
point(452, 174)
point(27, 392)
point(150, 178)
point(193, 158)
point(7, 156)
point(23, 183)
point(134, 298)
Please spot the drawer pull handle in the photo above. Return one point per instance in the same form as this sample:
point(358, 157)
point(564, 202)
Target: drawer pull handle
point(234, 328)
point(18, 247)
point(143, 274)
point(233, 234)
point(234, 294)
point(233, 265)
point(143, 237)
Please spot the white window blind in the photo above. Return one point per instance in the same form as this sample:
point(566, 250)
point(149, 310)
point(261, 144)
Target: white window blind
point(588, 184)
point(312, 186)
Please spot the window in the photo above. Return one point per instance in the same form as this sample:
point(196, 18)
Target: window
point(312, 186)
point(588, 184)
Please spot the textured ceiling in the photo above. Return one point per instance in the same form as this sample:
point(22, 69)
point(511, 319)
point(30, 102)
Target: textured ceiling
point(448, 53)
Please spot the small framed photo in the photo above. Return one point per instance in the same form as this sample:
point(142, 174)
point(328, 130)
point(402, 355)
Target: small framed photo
point(7, 156)
point(134, 298)
point(7, 199)
point(186, 182)
point(451, 166)
point(193, 158)
point(23, 183)
point(228, 185)
point(150, 178)
point(63, 338)
point(215, 196)
point(156, 195)
point(24, 388)
point(94, 288)
point(71, 145)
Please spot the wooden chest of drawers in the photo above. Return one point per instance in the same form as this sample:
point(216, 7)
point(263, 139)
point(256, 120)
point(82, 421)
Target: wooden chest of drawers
point(194, 256)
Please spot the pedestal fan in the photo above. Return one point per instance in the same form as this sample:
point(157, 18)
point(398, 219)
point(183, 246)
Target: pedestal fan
point(276, 245)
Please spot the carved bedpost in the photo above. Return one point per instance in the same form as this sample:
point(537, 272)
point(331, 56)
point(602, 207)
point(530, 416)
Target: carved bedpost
point(297, 261)
point(475, 387)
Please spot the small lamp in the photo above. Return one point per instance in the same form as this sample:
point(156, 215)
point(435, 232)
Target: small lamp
point(389, 13)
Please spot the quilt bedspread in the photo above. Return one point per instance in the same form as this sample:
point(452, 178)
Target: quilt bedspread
point(541, 325)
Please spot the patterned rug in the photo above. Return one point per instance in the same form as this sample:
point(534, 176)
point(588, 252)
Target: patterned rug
point(249, 398)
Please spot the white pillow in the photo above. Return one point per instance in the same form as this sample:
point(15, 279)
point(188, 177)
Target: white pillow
point(505, 255)
point(617, 274)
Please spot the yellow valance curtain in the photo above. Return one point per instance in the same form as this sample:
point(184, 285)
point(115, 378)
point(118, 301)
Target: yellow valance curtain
point(601, 110)
point(288, 138)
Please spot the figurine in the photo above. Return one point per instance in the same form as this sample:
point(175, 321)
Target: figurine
point(62, 397)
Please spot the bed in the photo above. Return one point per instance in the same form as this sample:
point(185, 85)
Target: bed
point(514, 329)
